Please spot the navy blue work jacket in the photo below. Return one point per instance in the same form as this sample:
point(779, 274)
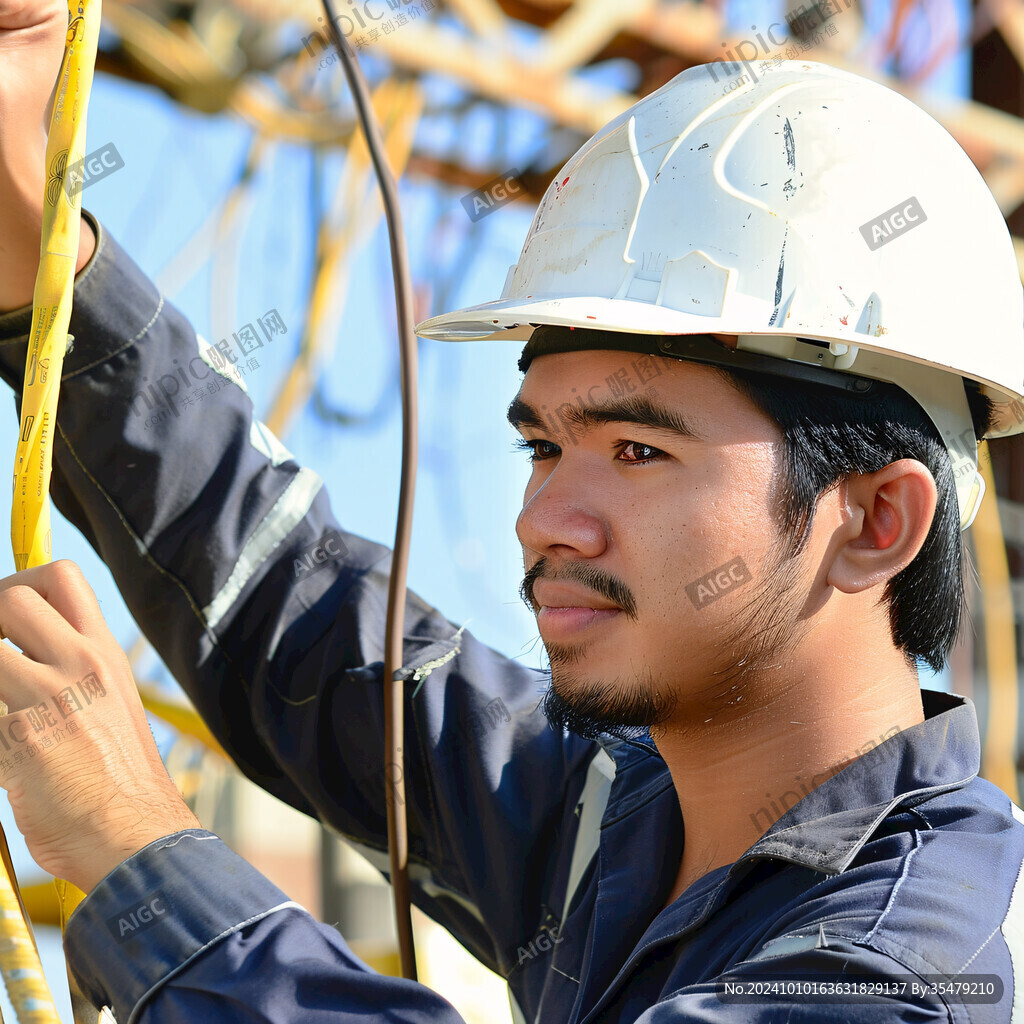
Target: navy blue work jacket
point(549, 857)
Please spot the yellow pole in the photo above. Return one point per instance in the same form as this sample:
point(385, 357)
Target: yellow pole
point(30, 508)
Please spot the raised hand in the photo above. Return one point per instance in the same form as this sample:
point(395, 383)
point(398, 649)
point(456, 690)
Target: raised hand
point(32, 34)
point(77, 757)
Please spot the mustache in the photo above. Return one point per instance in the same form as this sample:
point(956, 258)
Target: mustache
point(588, 576)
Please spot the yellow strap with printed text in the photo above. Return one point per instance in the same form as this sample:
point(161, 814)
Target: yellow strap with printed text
point(30, 508)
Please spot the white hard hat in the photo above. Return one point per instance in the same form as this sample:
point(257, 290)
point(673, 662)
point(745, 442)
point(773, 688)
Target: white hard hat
point(810, 204)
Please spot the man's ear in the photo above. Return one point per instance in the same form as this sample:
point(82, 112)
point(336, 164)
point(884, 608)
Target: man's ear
point(889, 515)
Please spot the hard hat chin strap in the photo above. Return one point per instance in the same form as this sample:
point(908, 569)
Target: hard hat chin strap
point(943, 397)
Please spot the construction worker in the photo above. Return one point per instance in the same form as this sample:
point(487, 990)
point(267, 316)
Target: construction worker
point(759, 328)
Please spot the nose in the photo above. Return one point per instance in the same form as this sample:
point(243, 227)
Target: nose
point(562, 515)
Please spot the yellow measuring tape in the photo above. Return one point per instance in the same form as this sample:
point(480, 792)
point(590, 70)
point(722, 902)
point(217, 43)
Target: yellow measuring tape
point(30, 509)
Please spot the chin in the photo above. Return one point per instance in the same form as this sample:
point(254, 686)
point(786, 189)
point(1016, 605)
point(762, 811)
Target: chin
point(590, 705)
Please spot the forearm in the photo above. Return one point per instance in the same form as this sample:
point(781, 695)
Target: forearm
point(167, 495)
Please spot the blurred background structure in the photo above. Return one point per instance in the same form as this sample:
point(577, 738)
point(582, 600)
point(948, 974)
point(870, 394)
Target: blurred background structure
point(245, 188)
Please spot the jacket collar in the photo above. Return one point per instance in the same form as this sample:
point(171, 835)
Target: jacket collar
point(827, 828)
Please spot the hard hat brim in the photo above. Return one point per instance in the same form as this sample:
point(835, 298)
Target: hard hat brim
point(516, 319)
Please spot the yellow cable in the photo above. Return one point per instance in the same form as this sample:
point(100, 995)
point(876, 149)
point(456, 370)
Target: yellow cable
point(30, 508)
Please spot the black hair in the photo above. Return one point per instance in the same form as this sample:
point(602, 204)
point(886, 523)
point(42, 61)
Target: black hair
point(830, 435)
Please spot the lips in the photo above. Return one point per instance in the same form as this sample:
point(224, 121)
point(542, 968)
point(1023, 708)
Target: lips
point(566, 610)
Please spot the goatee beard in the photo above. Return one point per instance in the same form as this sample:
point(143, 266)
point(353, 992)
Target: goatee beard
point(606, 708)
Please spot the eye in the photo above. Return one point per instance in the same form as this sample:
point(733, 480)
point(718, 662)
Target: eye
point(643, 453)
point(548, 449)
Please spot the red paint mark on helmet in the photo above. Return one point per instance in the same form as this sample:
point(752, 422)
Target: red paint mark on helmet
point(589, 317)
point(843, 319)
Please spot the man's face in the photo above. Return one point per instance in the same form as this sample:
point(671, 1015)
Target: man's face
point(619, 517)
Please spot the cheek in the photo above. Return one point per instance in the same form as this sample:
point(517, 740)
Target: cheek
point(680, 566)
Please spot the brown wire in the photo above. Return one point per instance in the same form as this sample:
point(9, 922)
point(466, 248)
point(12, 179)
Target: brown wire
point(394, 719)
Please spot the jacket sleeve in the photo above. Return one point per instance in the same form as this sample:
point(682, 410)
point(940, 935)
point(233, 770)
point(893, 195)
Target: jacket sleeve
point(207, 525)
point(187, 931)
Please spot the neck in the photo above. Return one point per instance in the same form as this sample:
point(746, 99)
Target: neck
point(737, 772)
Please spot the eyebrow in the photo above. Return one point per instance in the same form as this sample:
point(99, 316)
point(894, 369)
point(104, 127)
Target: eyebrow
point(637, 409)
